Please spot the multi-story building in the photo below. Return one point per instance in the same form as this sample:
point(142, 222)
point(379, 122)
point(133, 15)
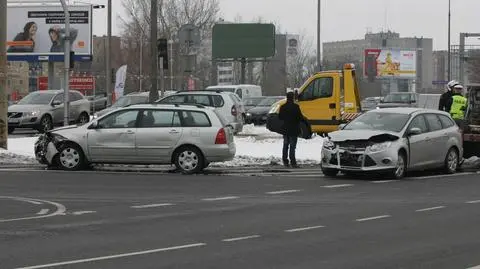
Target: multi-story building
point(17, 80)
point(335, 54)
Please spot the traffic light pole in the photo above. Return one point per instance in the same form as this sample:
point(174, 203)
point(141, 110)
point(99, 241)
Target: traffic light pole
point(3, 76)
point(162, 77)
point(66, 71)
point(153, 96)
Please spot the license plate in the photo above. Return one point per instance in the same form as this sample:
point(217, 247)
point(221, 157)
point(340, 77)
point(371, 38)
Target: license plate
point(13, 121)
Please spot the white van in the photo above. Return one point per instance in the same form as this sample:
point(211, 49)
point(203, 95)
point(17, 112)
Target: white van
point(243, 90)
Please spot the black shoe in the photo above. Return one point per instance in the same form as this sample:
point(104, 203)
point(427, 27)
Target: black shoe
point(295, 166)
point(286, 164)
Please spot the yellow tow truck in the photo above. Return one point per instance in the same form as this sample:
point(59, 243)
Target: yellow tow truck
point(327, 99)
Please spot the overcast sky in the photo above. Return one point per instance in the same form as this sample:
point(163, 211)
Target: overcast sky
point(346, 19)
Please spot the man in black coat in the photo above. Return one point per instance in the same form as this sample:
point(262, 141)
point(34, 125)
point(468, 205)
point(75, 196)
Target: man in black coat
point(292, 116)
point(446, 97)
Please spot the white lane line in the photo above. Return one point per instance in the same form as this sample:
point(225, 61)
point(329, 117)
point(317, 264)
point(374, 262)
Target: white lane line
point(151, 205)
point(373, 218)
point(43, 211)
point(123, 255)
point(304, 229)
point(78, 213)
point(454, 176)
point(282, 192)
point(220, 198)
point(429, 209)
point(473, 202)
point(60, 209)
point(475, 267)
point(337, 186)
point(384, 181)
point(240, 238)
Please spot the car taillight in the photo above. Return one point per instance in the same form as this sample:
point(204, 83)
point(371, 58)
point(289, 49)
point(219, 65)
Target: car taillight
point(221, 137)
point(234, 111)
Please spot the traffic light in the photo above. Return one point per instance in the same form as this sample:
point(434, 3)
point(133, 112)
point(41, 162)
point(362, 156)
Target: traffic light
point(162, 48)
point(72, 59)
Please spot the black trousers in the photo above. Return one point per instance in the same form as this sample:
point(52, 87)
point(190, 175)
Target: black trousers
point(289, 147)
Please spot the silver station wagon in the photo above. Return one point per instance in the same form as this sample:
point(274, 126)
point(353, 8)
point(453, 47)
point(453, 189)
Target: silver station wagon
point(188, 136)
point(394, 140)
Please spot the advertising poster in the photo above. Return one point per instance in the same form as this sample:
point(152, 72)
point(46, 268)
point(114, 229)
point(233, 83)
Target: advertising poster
point(40, 30)
point(121, 76)
point(392, 62)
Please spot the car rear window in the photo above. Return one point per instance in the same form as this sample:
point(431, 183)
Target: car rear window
point(446, 121)
point(195, 119)
point(433, 122)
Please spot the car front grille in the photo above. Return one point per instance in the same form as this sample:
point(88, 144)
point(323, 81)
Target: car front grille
point(353, 145)
point(14, 114)
point(353, 160)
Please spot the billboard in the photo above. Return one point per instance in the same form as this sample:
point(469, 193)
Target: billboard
point(383, 63)
point(37, 33)
point(83, 83)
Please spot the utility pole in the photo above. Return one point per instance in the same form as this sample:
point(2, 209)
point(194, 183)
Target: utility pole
point(3, 76)
point(153, 96)
point(108, 55)
point(449, 74)
point(66, 70)
point(319, 40)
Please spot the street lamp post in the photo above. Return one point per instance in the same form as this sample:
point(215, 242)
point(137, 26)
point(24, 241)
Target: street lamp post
point(449, 74)
point(3, 75)
point(108, 71)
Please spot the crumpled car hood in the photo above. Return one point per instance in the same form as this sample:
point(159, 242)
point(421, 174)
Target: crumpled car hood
point(371, 135)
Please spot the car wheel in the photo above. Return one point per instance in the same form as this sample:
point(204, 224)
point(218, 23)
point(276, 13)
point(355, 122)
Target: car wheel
point(11, 130)
point(46, 124)
point(401, 168)
point(83, 118)
point(189, 160)
point(71, 157)
point(329, 172)
point(451, 161)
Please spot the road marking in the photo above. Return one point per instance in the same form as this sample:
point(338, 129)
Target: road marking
point(337, 186)
point(78, 213)
point(220, 198)
point(475, 267)
point(445, 176)
point(282, 192)
point(43, 211)
point(473, 202)
point(151, 205)
point(240, 238)
point(123, 255)
point(304, 229)
point(384, 181)
point(429, 209)
point(60, 208)
point(373, 218)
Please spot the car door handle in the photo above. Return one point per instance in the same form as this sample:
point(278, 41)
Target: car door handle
point(427, 138)
point(130, 132)
point(174, 132)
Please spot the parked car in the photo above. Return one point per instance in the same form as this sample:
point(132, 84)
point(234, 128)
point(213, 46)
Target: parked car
point(410, 99)
point(394, 140)
point(252, 102)
point(189, 136)
point(259, 114)
point(226, 104)
point(97, 102)
point(370, 103)
point(242, 90)
point(123, 101)
point(43, 110)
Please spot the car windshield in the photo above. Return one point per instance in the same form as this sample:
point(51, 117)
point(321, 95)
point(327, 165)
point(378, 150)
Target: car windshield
point(252, 101)
point(130, 100)
point(392, 122)
point(37, 98)
point(398, 98)
point(269, 102)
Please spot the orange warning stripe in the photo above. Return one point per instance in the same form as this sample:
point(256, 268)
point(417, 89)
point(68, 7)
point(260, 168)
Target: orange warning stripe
point(350, 116)
point(19, 43)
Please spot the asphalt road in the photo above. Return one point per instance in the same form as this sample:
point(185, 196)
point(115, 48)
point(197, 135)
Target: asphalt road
point(54, 219)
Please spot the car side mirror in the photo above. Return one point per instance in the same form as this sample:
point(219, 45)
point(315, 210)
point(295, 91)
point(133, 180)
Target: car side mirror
point(341, 126)
point(94, 125)
point(414, 131)
point(56, 103)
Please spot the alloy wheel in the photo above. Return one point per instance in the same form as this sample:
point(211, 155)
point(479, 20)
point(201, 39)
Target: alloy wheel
point(70, 158)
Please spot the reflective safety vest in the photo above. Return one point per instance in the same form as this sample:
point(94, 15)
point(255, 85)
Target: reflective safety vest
point(458, 106)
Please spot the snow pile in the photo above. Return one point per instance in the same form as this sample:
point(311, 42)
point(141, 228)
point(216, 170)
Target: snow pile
point(472, 162)
point(252, 130)
point(7, 157)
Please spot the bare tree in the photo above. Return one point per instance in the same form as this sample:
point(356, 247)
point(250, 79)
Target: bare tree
point(301, 65)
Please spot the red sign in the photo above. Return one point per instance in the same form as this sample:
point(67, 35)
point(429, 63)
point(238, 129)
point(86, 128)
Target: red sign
point(76, 83)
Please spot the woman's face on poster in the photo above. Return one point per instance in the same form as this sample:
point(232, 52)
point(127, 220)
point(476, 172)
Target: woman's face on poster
point(33, 30)
point(53, 36)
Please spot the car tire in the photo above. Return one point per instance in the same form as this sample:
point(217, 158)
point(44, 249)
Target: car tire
point(70, 157)
point(11, 130)
point(189, 160)
point(84, 118)
point(401, 168)
point(451, 161)
point(46, 124)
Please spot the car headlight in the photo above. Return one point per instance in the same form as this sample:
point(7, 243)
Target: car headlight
point(274, 109)
point(95, 115)
point(248, 114)
point(328, 145)
point(377, 107)
point(32, 113)
point(379, 147)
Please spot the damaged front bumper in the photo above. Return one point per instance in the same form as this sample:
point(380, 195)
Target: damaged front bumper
point(358, 160)
point(47, 147)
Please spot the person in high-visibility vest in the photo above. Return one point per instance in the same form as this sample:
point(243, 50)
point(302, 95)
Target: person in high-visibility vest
point(458, 105)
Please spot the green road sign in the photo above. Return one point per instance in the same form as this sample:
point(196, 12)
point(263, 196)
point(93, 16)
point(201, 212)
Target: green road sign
point(245, 40)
